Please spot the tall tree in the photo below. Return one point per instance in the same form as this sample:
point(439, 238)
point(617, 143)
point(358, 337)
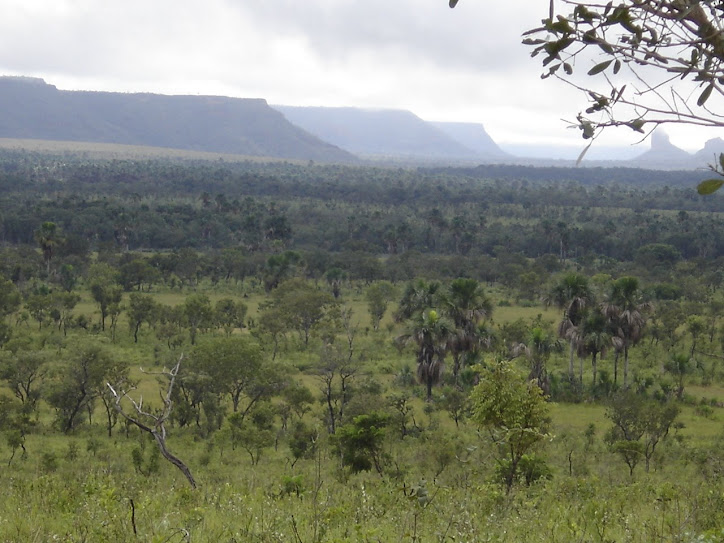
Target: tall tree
point(466, 305)
point(431, 335)
point(237, 367)
point(230, 315)
point(104, 287)
point(514, 412)
point(301, 305)
point(9, 297)
point(537, 349)
point(594, 339)
point(199, 314)
point(418, 296)
point(78, 381)
point(48, 237)
point(626, 310)
point(378, 297)
point(23, 371)
point(141, 308)
point(573, 295)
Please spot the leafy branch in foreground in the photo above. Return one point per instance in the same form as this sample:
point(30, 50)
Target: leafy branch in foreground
point(156, 421)
point(644, 63)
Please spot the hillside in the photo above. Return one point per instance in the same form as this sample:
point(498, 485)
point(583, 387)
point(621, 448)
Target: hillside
point(33, 109)
point(378, 133)
point(473, 136)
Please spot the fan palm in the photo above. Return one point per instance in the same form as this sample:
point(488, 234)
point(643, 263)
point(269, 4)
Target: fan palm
point(625, 310)
point(572, 294)
point(431, 334)
point(466, 305)
point(48, 237)
point(594, 339)
point(537, 349)
point(418, 296)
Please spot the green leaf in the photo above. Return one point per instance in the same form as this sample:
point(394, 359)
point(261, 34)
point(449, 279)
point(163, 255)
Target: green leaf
point(637, 125)
point(606, 47)
point(616, 66)
point(704, 96)
point(588, 129)
point(710, 186)
point(598, 68)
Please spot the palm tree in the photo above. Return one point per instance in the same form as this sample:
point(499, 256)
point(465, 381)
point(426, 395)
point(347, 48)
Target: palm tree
point(537, 349)
point(431, 334)
point(48, 237)
point(625, 310)
point(466, 305)
point(573, 295)
point(418, 296)
point(594, 339)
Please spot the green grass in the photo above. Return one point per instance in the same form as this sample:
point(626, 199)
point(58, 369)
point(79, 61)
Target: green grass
point(437, 486)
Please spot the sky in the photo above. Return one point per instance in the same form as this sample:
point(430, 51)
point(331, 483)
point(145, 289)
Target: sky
point(464, 64)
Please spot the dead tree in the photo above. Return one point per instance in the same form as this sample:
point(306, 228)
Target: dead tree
point(156, 425)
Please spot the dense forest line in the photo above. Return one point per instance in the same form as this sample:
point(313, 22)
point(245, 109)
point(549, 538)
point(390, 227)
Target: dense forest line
point(164, 205)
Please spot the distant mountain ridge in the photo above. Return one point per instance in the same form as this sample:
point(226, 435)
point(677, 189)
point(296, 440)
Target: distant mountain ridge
point(33, 109)
point(388, 133)
point(473, 136)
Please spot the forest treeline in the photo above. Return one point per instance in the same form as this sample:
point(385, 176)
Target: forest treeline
point(351, 211)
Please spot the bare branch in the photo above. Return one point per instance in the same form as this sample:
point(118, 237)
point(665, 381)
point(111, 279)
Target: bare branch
point(158, 428)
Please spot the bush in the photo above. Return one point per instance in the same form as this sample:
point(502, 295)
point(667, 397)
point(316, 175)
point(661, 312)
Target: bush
point(48, 462)
point(360, 443)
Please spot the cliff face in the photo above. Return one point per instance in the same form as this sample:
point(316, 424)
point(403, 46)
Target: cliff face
point(32, 109)
point(379, 132)
point(711, 151)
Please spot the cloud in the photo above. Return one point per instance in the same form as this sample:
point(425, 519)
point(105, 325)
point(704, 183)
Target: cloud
point(465, 64)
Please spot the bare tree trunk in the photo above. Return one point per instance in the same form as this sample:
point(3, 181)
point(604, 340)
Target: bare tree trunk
point(570, 361)
point(615, 368)
point(158, 430)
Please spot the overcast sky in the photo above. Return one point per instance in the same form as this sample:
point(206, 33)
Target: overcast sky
point(465, 64)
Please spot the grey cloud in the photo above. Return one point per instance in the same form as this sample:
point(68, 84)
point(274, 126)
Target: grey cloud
point(480, 36)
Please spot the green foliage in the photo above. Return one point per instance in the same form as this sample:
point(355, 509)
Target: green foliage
point(253, 435)
point(9, 297)
point(638, 427)
point(303, 441)
point(102, 281)
point(199, 314)
point(293, 484)
point(531, 468)
point(76, 384)
point(513, 411)
point(378, 297)
point(230, 314)
point(299, 306)
point(359, 443)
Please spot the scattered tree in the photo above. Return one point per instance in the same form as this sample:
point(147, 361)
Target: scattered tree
point(513, 411)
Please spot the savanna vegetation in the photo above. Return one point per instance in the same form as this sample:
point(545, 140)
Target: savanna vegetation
point(235, 351)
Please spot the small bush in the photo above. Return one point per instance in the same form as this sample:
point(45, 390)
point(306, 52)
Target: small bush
point(48, 462)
